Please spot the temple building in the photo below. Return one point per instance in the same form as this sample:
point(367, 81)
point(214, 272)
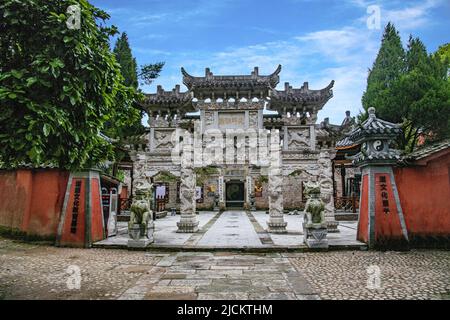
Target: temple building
point(234, 108)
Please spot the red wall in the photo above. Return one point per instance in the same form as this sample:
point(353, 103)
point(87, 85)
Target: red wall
point(425, 197)
point(363, 224)
point(97, 214)
point(31, 200)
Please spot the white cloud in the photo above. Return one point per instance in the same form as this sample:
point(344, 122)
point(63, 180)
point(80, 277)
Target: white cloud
point(348, 52)
point(342, 54)
point(411, 17)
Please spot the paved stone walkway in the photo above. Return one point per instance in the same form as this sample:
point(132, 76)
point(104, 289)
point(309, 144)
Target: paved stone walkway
point(30, 271)
point(234, 230)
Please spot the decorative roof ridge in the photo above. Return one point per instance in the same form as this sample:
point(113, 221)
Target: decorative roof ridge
point(273, 78)
point(290, 93)
point(170, 93)
point(373, 118)
point(374, 125)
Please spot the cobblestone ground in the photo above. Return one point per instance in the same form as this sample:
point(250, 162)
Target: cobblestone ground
point(31, 271)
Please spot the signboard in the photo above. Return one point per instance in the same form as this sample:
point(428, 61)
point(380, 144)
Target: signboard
point(231, 120)
point(220, 190)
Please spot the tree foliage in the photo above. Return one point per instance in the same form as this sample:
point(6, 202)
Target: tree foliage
point(128, 69)
point(127, 62)
point(150, 72)
point(409, 87)
point(58, 86)
point(443, 53)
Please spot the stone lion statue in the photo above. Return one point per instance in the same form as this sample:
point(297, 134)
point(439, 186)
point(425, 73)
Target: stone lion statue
point(314, 208)
point(141, 214)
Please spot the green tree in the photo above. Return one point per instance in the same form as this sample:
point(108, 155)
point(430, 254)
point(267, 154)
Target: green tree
point(443, 53)
point(59, 85)
point(129, 70)
point(411, 88)
point(386, 70)
point(128, 65)
point(150, 72)
point(423, 94)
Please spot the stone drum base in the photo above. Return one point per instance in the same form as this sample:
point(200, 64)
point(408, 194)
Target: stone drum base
point(187, 227)
point(277, 227)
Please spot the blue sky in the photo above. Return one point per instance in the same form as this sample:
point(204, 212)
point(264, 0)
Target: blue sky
point(314, 40)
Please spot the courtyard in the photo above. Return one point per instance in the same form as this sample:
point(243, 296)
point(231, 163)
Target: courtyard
point(234, 229)
point(39, 271)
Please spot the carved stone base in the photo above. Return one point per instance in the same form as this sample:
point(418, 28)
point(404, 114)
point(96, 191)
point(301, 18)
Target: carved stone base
point(314, 244)
point(141, 243)
point(187, 225)
point(316, 236)
point(277, 225)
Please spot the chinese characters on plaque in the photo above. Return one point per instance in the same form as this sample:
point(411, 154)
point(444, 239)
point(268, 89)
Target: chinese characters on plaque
point(384, 195)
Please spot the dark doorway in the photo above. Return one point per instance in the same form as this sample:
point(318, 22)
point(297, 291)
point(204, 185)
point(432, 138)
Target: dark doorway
point(234, 191)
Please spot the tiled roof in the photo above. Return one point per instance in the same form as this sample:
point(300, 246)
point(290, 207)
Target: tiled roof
point(236, 81)
point(428, 150)
point(302, 95)
point(167, 98)
point(374, 126)
point(345, 143)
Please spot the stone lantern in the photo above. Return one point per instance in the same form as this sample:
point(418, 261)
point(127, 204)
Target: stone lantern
point(381, 221)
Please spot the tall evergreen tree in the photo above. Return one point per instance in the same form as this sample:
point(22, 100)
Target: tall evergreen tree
point(127, 62)
point(131, 76)
point(411, 88)
point(128, 68)
point(387, 68)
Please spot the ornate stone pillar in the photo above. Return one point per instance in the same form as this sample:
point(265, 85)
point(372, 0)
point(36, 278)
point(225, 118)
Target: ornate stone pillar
point(188, 222)
point(326, 190)
point(276, 222)
point(249, 189)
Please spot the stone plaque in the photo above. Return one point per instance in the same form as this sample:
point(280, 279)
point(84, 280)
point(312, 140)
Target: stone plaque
point(220, 187)
point(231, 120)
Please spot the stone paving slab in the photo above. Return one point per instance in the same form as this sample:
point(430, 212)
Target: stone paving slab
point(235, 230)
point(165, 231)
point(232, 228)
point(39, 272)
